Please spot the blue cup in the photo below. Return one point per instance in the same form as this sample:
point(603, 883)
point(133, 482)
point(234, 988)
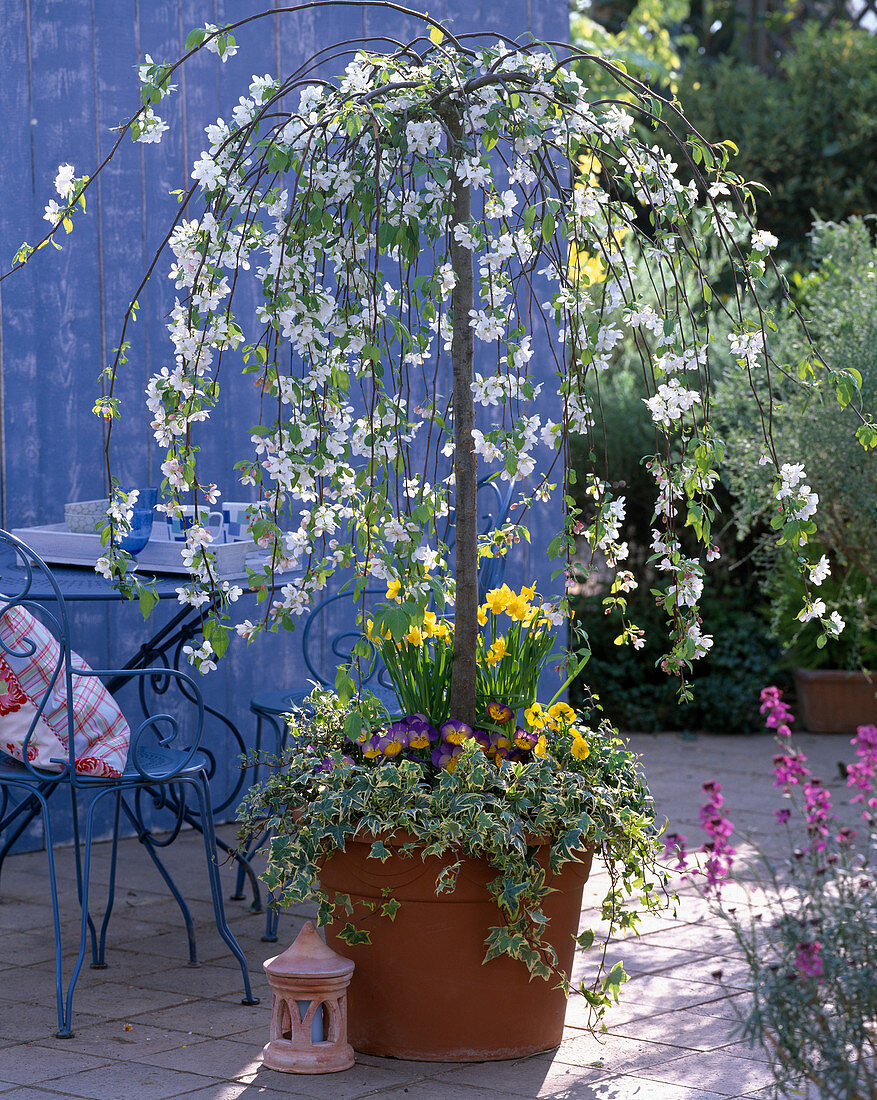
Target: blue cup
point(141, 521)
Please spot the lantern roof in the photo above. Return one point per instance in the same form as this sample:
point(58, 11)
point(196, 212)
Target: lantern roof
point(309, 957)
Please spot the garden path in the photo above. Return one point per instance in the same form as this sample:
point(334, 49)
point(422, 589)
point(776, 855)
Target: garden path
point(151, 1029)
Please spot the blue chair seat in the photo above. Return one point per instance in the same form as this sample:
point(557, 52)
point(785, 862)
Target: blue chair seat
point(158, 760)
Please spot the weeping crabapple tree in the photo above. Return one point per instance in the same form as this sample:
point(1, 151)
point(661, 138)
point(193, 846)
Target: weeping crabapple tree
point(424, 215)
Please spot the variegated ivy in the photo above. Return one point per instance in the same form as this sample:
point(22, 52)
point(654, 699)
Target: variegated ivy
point(433, 199)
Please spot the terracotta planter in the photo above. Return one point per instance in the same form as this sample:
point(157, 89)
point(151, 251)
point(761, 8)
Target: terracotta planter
point(420, 990)
point(833, 701)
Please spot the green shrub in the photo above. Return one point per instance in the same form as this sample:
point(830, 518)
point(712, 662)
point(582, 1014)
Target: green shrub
point(839, 300)
point(809, 133)
point(726, 684)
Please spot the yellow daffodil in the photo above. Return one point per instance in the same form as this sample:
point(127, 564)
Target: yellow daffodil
point(443, 631)
point(528, 592)
point(414, 636)
point(430, 624)
point(589, 165)
point(393, 590)
point(580, 748)
point(496, 652)
point(518, 608)
point(482, 615)
point(497, 599)
point(585, 267)
point(370, 632)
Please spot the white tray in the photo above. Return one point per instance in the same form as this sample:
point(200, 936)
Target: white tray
point(58, 546)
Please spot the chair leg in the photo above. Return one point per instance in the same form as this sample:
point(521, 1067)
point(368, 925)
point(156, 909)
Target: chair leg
point(272, 920)
point(78, 860)
point(83, 861)
point(202, 792)
point(238, 894)
point(145, 838)
point(98, 961)
point(63, 1031)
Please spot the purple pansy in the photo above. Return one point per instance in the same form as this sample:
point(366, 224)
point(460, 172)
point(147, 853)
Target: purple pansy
point(499, 712)
point(445, 755)
point(454, 731)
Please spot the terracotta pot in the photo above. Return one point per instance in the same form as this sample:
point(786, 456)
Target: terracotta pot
point(420, 989)
point(833, 701)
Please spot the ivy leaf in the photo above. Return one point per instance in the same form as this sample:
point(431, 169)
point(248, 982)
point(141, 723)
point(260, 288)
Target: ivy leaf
point(353, 935)
point(380, 851)
point(390, 908)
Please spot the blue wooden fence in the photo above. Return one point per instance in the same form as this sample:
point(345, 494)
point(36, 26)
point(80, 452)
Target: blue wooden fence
point(68, 77)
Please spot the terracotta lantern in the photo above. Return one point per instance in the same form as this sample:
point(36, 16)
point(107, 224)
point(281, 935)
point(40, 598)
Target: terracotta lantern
point(309, 1013)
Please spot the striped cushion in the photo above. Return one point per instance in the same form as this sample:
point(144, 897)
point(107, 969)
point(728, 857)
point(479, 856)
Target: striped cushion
point(101, 734)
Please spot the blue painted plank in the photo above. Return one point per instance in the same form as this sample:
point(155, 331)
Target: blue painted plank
point(18, 357)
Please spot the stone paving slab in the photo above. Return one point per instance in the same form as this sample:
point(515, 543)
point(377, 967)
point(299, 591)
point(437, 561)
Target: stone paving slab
point(151, 1028)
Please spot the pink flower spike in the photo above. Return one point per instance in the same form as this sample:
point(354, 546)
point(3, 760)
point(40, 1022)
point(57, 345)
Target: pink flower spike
point(808, 960)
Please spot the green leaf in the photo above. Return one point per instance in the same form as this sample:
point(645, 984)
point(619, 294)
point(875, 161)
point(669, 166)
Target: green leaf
point(344, 686)
point(436, 36)
point(866, 434)
point(548, 227)
point(195, 38)
point(147, 599)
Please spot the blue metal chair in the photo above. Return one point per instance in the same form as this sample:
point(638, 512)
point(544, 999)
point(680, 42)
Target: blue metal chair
point(165, 761)
point(324, 650)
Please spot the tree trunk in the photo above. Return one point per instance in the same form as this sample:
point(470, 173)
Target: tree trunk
point(465, 466)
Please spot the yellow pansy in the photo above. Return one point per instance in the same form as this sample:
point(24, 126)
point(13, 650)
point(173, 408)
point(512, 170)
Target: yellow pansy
point(580, 748)
point(541, 747)
point(535, 717)
point(561, 714)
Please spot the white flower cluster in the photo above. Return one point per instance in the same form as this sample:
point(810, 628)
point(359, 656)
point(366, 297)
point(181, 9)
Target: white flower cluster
point(670, 402)
point(802, 501)
point(748, 346)
point(65, 186)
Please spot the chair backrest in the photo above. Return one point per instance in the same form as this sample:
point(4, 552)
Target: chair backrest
point(331, 630)
point(25, 573)
point(35, 646)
